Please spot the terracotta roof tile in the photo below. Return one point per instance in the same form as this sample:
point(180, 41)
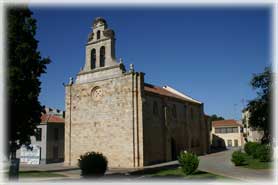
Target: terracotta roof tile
point(162, 91)
point(49, 118)
point(230, 122)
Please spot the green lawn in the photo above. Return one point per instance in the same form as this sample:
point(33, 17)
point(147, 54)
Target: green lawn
point(256, 164)
point(198, 175)
point(34, 174)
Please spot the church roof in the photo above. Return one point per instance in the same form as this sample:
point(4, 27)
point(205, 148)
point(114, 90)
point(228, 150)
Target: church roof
point(229, 122)
point(170, 92)
point(50, 118)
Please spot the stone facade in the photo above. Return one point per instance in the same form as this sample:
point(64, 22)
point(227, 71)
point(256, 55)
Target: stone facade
point(113, 111)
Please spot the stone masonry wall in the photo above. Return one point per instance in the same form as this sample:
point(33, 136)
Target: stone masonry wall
point(102, 123)
point(166, 134)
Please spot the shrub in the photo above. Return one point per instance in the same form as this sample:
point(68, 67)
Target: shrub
point(250, 148)
point(255, 148)
point(247, 147)
point(238, 158)
point(189, 162)
point(264, 153)
point(92, 164)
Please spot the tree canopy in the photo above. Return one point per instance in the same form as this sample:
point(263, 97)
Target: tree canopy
point(259, 108)
point(214, 117)
point(25, 65)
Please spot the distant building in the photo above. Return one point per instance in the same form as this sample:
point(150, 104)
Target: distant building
point(48, 145)
point(251, 134)
point(227, 133)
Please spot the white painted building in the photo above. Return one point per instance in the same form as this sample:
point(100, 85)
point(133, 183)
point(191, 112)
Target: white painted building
point(48, 145)
point(227, 133)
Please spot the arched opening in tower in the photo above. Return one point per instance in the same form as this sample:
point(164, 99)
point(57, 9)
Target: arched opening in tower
point(93, 58)
point(102, 56)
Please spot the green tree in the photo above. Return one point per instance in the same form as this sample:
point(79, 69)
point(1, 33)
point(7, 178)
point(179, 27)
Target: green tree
point(259, 108)
point(214, 117)
point(25, 66)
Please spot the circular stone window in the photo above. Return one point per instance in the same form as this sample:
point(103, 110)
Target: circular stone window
point(97, 93)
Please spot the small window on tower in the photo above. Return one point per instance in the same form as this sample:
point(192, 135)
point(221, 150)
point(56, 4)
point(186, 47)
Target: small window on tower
point(98, 34)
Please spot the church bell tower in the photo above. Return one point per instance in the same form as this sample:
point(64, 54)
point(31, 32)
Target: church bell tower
point(100, 48)
point(104, 105)
point(100, 54)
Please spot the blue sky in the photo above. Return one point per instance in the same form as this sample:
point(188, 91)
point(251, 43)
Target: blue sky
point(208, 53)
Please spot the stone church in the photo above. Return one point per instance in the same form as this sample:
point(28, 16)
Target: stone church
point(114, 111)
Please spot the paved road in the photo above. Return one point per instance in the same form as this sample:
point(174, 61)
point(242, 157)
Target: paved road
point(220, 163)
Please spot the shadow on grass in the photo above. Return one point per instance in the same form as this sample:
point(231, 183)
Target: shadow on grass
point(154, 169)
point(257, 164)
point(199, 173)
point(196, 176)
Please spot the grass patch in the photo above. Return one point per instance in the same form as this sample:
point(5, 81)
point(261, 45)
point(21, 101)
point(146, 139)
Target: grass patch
point(256, 164)
point(198, 175)
point(34, 174)
point(171, 172)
